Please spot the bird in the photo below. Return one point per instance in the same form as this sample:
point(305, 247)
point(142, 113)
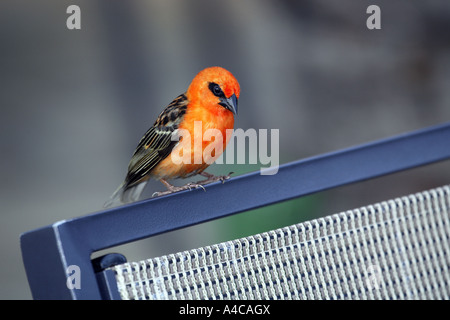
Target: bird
point(211, 100)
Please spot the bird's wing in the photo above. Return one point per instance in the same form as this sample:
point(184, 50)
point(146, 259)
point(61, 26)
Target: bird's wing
point(157, 142)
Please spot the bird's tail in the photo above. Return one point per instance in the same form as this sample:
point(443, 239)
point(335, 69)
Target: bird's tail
point(125, 194)
point(116, 197)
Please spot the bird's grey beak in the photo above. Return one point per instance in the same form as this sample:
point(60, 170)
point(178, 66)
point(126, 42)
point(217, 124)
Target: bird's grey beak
point(231, 103)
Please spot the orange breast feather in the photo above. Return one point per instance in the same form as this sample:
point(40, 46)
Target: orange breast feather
point(202, 153)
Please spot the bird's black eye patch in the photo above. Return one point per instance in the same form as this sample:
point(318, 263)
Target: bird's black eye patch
point(216, 90)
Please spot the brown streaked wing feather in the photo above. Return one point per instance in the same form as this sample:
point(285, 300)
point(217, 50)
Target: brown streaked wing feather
point(156, 144)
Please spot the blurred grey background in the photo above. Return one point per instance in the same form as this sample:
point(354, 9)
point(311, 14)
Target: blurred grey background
point(74, 103)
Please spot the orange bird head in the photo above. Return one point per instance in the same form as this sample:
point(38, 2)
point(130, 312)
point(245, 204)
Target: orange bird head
point(215, 87)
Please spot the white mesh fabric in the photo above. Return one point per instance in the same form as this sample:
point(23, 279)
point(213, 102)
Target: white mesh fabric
point(398, 249)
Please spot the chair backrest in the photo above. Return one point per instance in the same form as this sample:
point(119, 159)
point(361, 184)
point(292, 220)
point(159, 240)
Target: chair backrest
point(398, 249)
point(54, 254)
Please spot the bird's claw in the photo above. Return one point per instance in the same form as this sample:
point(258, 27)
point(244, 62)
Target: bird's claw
point(161, 193)
point(228, 176)
point(188, 186)
point(192, 185)
point(212, 178)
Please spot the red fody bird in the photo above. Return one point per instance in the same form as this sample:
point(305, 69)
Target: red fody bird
point(211, 100)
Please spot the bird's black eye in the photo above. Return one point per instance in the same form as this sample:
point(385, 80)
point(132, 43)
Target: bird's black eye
point(215, 89)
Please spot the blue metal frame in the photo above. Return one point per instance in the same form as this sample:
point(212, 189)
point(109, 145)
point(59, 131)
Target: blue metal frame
point(48, 251)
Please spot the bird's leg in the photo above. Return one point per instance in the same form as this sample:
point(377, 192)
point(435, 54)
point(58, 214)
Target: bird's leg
point(172, 188)
point(210, 178)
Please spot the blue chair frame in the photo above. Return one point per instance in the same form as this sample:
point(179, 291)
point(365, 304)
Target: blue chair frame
point(49, 251)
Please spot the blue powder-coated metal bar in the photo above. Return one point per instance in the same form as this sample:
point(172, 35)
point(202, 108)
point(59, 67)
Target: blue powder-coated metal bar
point(47, 252)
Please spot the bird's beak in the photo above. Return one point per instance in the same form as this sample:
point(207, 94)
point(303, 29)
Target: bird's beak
point(231, 103)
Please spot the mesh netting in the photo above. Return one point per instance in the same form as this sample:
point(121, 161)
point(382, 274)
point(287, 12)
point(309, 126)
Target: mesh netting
point(398, 249)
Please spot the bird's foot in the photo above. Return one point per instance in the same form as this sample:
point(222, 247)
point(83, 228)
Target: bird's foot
point(172, 189)
point(210, 178)
point(193, 185)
